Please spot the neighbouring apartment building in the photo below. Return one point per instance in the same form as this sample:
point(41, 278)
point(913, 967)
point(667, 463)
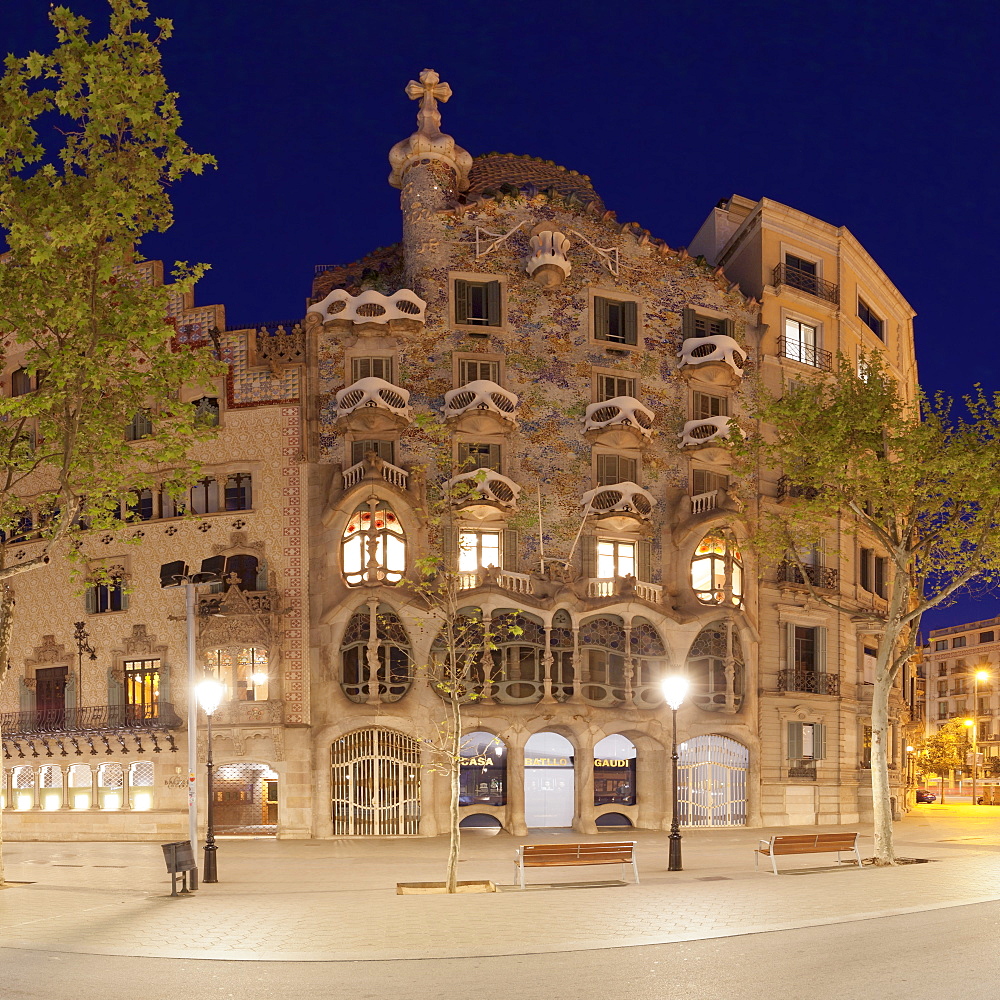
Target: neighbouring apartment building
point(962, 666)
point(540, 396)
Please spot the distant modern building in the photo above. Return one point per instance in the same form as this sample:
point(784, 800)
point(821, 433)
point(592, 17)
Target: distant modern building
point(954, 656)
point(540, 396)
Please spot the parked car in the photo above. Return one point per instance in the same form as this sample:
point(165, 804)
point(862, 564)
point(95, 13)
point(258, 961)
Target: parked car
point(925, 796)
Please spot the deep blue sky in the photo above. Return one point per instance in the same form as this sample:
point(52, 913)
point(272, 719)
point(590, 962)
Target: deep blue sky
point(881, 116)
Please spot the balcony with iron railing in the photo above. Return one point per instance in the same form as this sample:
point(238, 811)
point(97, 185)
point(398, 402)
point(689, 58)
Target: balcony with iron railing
point(803, 281)
point(802, 769)
point(820, 577)
point(806, 354)
point(790, 490)
point(808, 681)
point(90, 719)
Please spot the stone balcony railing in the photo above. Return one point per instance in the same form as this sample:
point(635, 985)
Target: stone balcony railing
point(390, 473)
point(617, 586)
point(516, 583)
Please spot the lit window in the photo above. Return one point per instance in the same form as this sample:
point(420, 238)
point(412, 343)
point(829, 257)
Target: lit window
point(799, 343)
point(244, 672)
point(615, 558)
point(477, 550)
point(717, 570)
point(374, 546)
point(142, 690)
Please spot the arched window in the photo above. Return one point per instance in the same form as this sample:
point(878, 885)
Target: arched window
point(648, 656)
point(717, 570)
point(379, 631)
point(715, 666)
point(602, 650)
point(519, 648)
point(483, 770)
point(374, 545)
point(561, 643)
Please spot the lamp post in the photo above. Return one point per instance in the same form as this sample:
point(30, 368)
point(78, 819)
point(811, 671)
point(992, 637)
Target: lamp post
point(674, 689)
point(82, 637)
point(979, 675)
point(210, 693)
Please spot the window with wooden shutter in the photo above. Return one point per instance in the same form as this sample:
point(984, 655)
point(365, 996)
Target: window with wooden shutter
point(881, 572)
point(806, 741)
point(644, 560)
point(703, 481)
point(386, 450)
point(695, 324)
point(588, 557)
point(509, 550)
point(472, 455)
point(612, 386)
point(371, 367)
point(705, 405)
point(477, 303)
point(865, 557)
point(475, 370)
point(613, 469)
point(615, 321)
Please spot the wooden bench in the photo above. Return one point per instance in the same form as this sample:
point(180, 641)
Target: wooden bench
point(811, 843)
point(569, 855)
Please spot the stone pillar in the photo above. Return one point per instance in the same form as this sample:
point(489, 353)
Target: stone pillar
point(515, 824)
point(583, 760)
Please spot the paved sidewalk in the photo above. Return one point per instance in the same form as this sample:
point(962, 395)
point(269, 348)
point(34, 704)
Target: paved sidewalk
point(335, 900)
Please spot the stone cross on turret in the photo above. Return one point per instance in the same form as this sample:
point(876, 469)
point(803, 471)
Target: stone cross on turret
point(428, 91)
point(429, 143)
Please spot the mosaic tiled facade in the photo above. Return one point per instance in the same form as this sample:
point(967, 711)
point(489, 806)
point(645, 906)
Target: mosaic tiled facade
point(578, 376)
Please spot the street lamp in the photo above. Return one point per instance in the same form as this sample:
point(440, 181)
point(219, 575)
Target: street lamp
point(979, 675)
point(210, 693)
point(674, 689)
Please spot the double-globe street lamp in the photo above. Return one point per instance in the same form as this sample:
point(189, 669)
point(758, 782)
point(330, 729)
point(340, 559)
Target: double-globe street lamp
point(674, 689)
point(210, 694)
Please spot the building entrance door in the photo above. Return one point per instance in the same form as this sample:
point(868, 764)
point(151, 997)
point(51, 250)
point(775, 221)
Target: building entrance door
point(375, 784)
point(246, 800)
point(549, 787)
point(712, 782)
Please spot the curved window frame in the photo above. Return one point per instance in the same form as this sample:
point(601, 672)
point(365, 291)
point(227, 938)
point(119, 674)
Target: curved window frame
point(392, 650)
point(373, 548)
point(717, 668)
point(717, 574)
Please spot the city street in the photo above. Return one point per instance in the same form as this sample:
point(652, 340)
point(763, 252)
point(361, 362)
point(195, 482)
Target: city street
point(321, 918)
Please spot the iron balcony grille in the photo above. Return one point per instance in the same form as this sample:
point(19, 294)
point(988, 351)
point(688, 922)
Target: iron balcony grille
point(802, 769)
point(820, 577)
point(92, 719)
point(807, 354)
point(810, 681)
point(806, 282)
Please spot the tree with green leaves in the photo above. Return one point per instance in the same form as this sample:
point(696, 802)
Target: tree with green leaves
point(89, 147)
point(943, 751)
point(916, 481)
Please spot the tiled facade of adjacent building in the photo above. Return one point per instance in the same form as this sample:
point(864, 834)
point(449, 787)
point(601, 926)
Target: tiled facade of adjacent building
point(578, 376)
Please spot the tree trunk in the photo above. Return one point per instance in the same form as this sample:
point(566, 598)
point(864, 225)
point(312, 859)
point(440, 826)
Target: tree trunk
point(881, 805)
point(6, 627)
point(455, 774)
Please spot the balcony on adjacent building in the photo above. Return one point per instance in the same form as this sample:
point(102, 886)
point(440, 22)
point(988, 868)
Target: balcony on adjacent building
point(806, 354)
point(820, 577)
point(808, 681)
point(373, 404)
point(369, 313)
point(803, 281)
point(480, 407)
point(621, 422)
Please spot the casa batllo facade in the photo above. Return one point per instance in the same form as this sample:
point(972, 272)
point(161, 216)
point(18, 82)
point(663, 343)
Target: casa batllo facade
point(539, 396)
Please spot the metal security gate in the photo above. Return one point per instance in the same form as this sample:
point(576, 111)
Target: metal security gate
point(712, 782)
point(375, 784)
point(246, 800)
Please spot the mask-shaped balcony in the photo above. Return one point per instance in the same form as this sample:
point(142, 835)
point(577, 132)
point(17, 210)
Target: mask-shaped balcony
point(708, 436)
point(369, 313)
point(618, 505)
point(718, 359)
point(621, 422)
point(372, 404)
point(482, 492)
point(480, 407)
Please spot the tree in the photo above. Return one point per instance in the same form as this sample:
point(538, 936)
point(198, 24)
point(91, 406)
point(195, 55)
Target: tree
point(943, 751)
point(916, 481)
point(89, 147)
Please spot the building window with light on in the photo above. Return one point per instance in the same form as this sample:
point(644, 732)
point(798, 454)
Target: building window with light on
point(142, 689)
point(477, 550)
point(373, 548)
point(244, 672)
point(615, 558)
point(717, 570)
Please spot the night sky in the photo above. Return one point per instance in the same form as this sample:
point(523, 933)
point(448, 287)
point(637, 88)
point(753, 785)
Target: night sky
point(878, 116)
